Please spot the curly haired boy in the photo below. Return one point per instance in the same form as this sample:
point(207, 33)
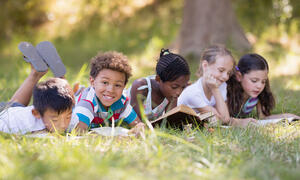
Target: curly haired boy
point(103, 102)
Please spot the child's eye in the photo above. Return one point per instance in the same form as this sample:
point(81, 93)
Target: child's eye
point(174, 87)
point(221, 70)
point(118, 85)
point(253, 80)
point(105, 82)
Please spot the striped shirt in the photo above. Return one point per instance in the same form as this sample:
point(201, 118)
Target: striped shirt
point(249, 105)
point(90, 111)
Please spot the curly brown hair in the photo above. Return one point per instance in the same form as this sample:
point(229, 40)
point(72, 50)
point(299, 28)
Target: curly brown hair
point(110, 60)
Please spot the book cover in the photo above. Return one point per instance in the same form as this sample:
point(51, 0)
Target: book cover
point(180, 116)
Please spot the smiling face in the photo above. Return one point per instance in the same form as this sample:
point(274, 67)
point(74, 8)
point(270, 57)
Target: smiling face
point(108, 85)
point(220, 69)
point(253, 82)
point(172, 89)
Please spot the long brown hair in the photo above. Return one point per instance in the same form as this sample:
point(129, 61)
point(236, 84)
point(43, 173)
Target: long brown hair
point(235, 91)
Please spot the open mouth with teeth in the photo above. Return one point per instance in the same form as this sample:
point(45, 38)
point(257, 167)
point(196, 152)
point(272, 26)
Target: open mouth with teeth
point(107, 97)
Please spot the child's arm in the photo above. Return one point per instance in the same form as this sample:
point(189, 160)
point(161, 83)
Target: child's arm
point(81, 127)
point(137, 127)
point(24, 93)
point(135, 122)
point(83, 113)
point(134, 94)
point(241, 122)
point(261, 115)
point(221, 106)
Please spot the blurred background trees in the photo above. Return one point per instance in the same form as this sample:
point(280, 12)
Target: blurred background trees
point(208, 22)
point(139, 28)
point(216, 20)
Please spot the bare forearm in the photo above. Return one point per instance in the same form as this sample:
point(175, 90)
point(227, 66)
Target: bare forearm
point(24, 93)
point(221, 106)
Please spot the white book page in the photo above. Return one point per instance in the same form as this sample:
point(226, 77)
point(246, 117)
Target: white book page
point(109, 131)
point(274, 121)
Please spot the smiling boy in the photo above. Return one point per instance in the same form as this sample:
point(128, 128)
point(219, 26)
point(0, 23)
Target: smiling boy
point(103, 102)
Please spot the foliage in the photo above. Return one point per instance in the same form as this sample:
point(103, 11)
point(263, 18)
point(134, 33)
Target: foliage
point(20, 17)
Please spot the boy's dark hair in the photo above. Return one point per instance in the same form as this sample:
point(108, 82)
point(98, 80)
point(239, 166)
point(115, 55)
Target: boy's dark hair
point(54, 94)
point(247, 63)
point(210, 55)
point(110, 60)
point(171, 66)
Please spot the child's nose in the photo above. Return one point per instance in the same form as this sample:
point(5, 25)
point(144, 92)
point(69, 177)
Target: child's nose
point(110, 88)
point(225, 76)
point(260, 85)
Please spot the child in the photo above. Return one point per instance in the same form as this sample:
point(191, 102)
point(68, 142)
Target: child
point(103, 103)
point(161, 91)
point(250, 88)
point(208, 93)
point(52, 101)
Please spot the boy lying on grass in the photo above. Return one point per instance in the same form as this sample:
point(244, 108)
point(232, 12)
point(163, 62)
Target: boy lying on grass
point(52, 99)
point(103, 103)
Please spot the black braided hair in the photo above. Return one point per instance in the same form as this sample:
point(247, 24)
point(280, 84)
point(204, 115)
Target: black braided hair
point(171, 66)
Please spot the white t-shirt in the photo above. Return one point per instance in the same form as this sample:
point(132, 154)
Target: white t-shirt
point(194, 97)
point(19, 120)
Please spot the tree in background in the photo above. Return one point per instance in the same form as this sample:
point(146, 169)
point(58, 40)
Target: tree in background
point(207, 22)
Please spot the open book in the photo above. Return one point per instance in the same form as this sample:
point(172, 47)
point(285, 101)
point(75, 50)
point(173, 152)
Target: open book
point(274, 121)
point(103, 131)
point(109, 131)
point(180, 116)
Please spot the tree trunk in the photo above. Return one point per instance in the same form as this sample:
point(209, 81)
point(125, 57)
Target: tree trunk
point(207, 22)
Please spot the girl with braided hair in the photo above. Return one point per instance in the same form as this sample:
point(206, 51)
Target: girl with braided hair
point(160, 92)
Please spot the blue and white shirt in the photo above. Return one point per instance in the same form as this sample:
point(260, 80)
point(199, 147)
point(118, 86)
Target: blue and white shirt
point(89, 110)
point(249, 105)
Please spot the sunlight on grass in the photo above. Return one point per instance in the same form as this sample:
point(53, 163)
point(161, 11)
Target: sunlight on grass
point(145, 62)
point(231, 153)
point(289, 66)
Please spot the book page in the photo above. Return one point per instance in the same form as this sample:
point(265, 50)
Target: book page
point(274, 121)
point(109, 131)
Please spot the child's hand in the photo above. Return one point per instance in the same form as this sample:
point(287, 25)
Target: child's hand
point(138, 130)
point(244, 122)
point(36, 73)
point(211, 81)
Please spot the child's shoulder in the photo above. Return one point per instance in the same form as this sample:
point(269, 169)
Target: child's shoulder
point(139, 83)
point(20, 119)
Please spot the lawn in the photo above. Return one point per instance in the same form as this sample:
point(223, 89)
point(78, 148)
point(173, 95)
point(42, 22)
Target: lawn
point(271, 152)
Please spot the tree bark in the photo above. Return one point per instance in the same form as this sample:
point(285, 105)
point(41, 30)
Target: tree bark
point(207, 22)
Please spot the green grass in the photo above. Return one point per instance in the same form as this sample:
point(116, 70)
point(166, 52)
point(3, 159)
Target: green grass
point(251, 153)
point(262, 153)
